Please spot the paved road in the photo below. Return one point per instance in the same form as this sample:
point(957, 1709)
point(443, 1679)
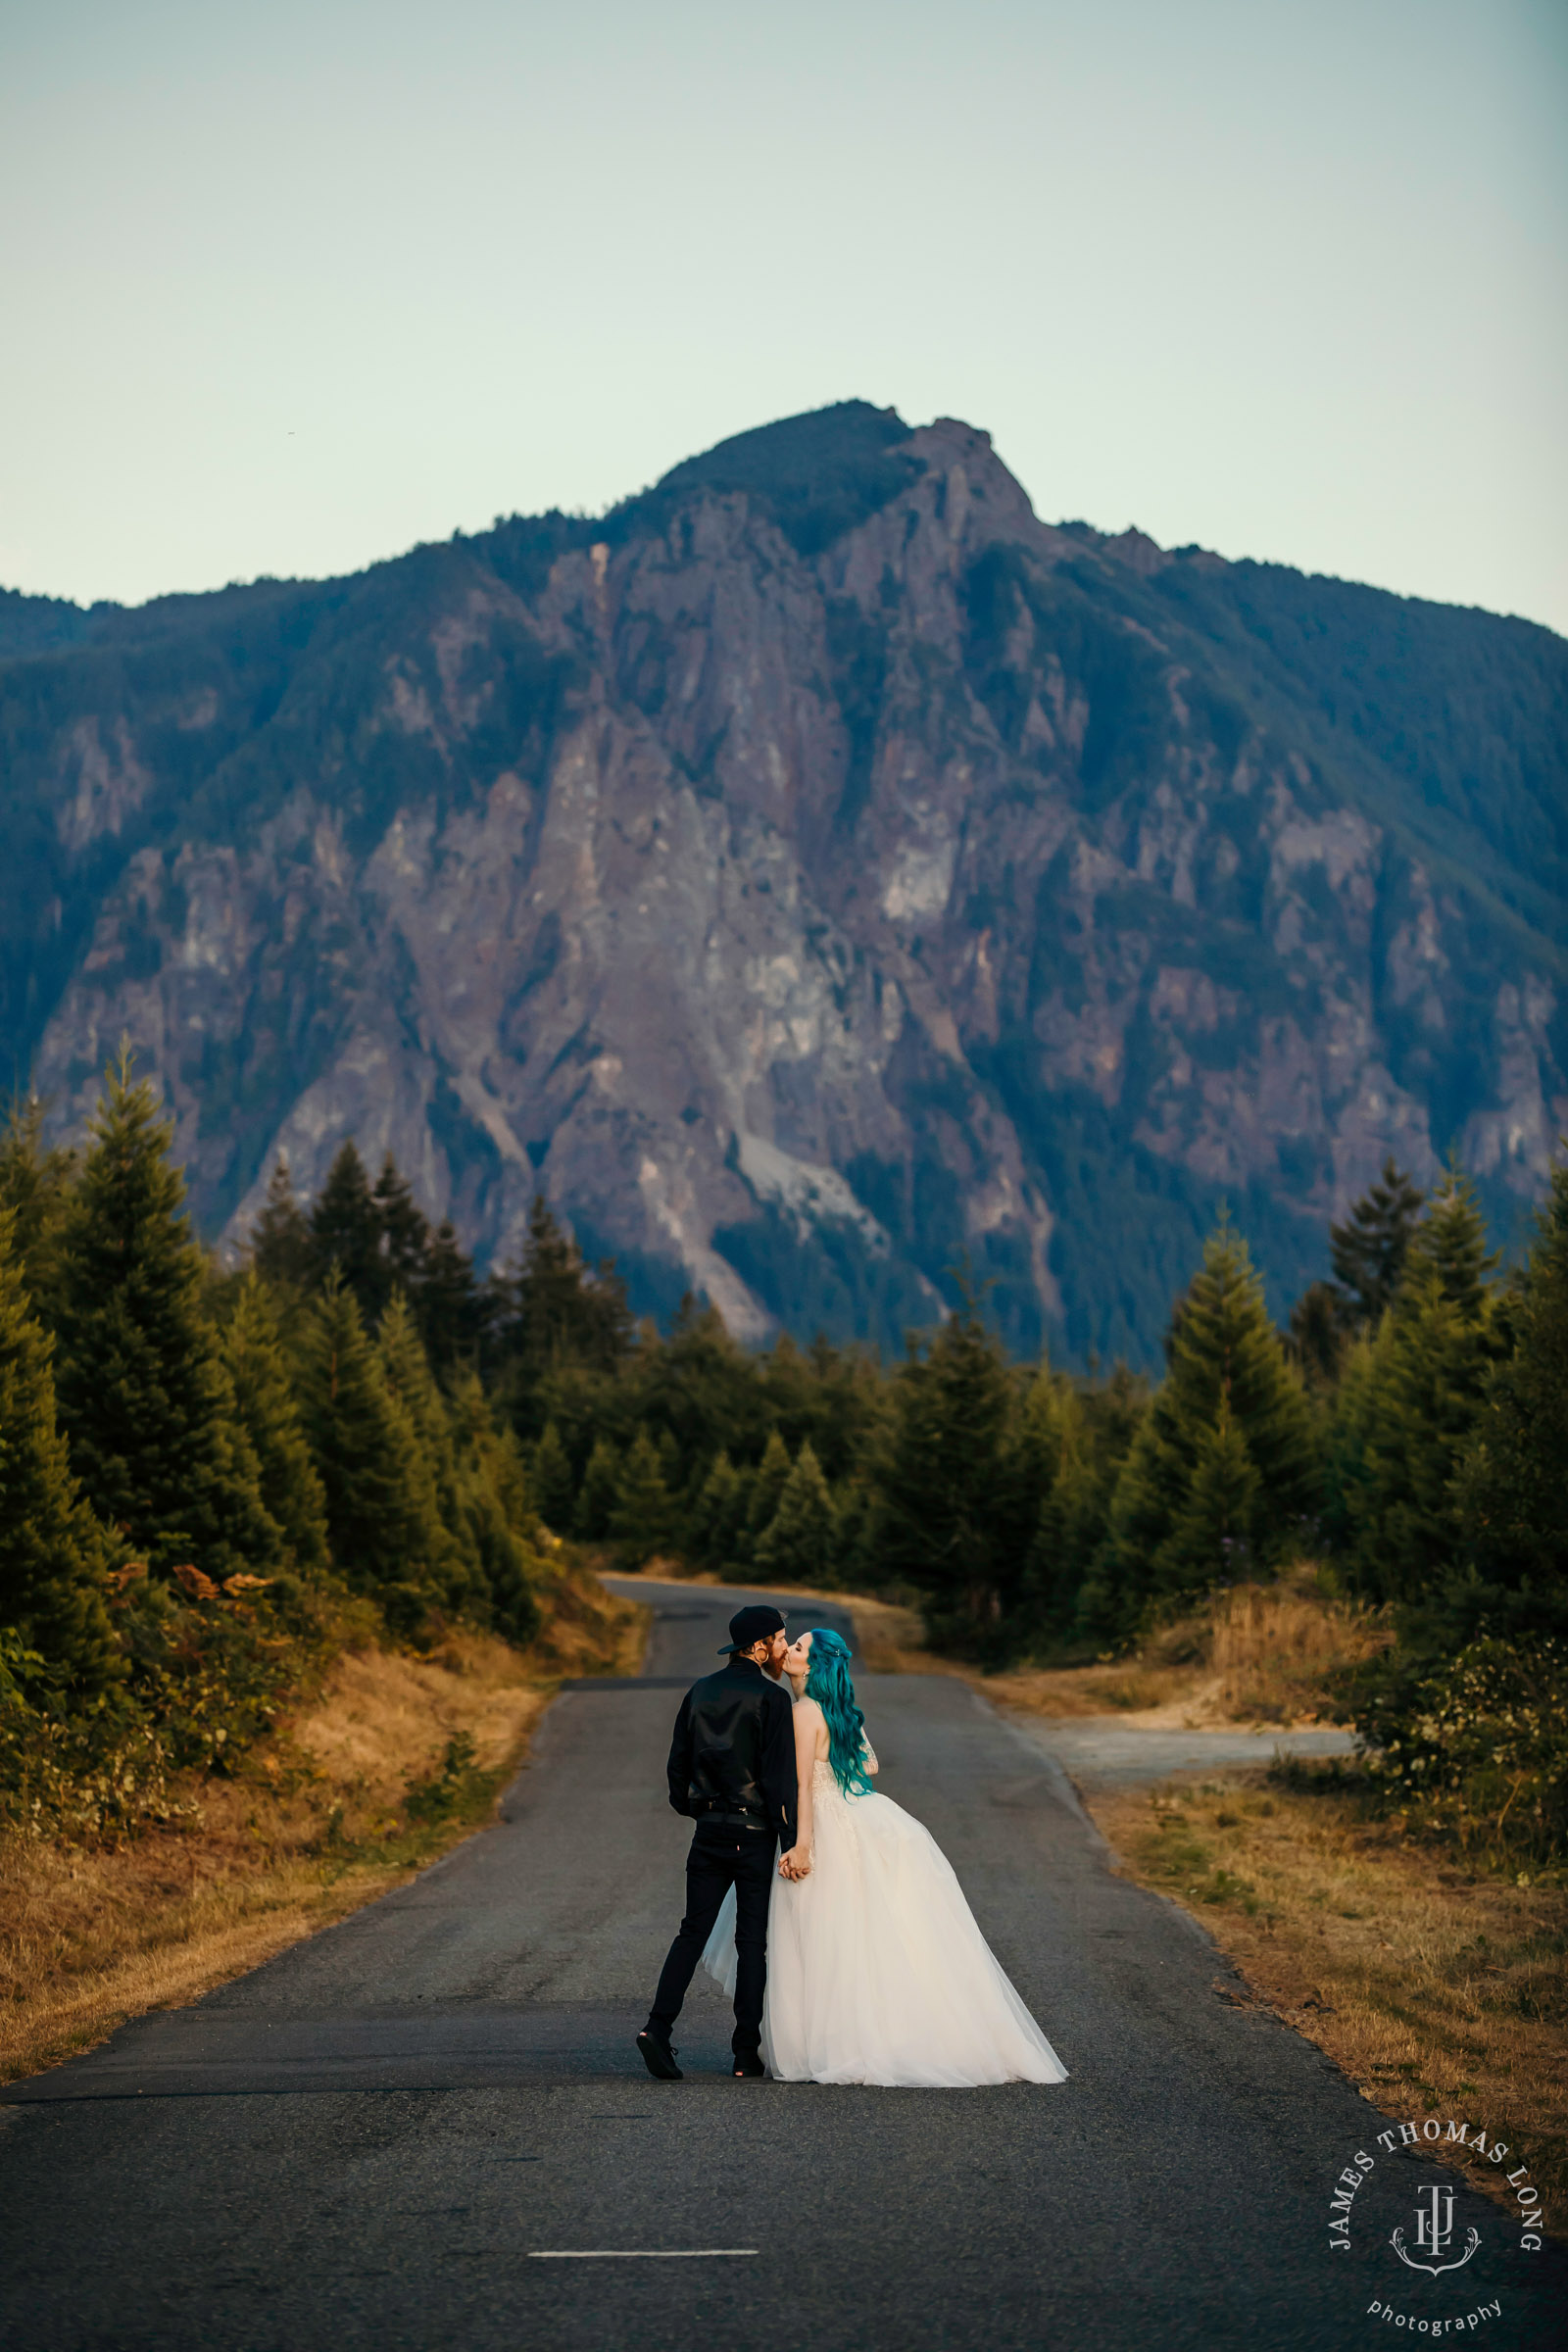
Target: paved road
point(372, 2141)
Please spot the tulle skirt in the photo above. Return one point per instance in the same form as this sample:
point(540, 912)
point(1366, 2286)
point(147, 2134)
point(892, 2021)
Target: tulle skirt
point(876, 1970)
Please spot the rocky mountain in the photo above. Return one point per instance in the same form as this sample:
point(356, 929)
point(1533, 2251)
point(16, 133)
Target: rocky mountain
point(812, 874)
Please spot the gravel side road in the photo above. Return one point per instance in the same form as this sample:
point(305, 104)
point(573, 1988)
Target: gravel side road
point(1099, 1752)
point(416, 2128)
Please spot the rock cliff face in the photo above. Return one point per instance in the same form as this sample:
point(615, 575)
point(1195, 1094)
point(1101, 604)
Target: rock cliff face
point(814, 872)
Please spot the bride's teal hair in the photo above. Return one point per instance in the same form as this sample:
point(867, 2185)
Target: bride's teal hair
point(827, 1680)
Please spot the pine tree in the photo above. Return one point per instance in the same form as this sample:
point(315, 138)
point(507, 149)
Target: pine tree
point(144, 1401)
point(945, 1520)
point(447, 1301)
point(768, 1482)
point(268, 1413)
point(1065, 1493)
point(504, 1530)
point(641, 1521)
point(51, 1551)
point(717, 1535)
point(549, 1476)
point(553, 1312)
point(1320, 1335)
point(1452, 1242)
point(1226, 1363)
point(1512, 1491)
point(596, 1499)
point(405, 1230)
point(1406, 1420)
point(1417, 1413)
point(800, 1546)
point(346, 1232)
point(384, 1529)
point(433, 1463)
point(1368, 1250)
point(1210, 1541)
point(282, 1248)
point(35, 1182)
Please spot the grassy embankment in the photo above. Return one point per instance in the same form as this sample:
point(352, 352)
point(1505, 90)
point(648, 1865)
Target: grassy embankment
point(390, 1760)
point(1432, 1985)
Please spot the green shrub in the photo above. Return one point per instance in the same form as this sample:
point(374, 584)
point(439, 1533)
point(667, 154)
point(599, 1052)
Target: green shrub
point(1475, 1747)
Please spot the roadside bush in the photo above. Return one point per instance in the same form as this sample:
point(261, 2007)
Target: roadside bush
point(1475, 1747)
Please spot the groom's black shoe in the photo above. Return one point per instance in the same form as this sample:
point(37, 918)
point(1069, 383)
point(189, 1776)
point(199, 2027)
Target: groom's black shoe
point(658, 2056)
point(750, 2069)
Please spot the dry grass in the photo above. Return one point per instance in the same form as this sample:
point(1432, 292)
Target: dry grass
point(1434, 1991)
point(317, 1824)
point(1260, 1654)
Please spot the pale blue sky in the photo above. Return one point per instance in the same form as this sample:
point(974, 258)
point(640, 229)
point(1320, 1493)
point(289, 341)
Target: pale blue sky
point(288, 286)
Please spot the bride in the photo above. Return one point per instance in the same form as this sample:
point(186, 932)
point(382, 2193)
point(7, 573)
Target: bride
point(876, 1971)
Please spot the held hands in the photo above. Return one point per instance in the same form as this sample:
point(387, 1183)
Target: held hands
point(796, 1864)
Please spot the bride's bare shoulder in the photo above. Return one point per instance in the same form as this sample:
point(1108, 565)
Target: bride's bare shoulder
point(806, 1710)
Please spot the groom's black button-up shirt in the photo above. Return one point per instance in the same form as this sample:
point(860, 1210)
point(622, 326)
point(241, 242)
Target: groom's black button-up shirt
point(732, 1758)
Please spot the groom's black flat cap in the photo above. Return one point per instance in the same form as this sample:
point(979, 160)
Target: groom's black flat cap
point(757, 1622)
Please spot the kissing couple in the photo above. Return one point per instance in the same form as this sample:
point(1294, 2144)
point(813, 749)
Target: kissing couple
point(857, 1959)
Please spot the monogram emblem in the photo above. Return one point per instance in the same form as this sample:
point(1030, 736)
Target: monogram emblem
point(1434, 2234)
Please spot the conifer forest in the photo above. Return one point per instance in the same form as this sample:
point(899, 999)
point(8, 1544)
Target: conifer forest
point(213, 1472)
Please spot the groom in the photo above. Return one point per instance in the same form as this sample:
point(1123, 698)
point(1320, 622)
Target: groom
point(732, 1771)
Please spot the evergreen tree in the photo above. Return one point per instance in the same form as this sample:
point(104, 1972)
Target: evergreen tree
point(1320, 1335)
point(433, 1466)
point(268, 1412)
point(640, 1524)
point(670, 1467)
point(855, 1504)
point(718, 1531)
point(1406, 1420)
point(502, 1530)
point(447, 1301)
point(346, 1232)
point(1368, 1250)
point(51, 1551)
point(596, 1498)
point(800, 1546)
point(947, 1502)
point(383, 1520)
point(554, 1486)
point(768, 1482)
point(282, 1247)
point(144, 1401)
point(1452, 1244)
point(35, 1181)
point(1228, 1392)
point(555, 1312)
point(1512, 1489)
point(405, 1232)
point(1213, 1534)
point(1066, 1492)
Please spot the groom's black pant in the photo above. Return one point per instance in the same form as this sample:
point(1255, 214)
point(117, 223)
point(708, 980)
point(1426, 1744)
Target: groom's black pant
point(723, 1856)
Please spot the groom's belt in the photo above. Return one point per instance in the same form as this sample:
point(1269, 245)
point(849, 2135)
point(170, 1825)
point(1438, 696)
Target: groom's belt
point(725, 1808)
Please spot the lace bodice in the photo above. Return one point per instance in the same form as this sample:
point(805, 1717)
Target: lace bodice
point(825, 1788)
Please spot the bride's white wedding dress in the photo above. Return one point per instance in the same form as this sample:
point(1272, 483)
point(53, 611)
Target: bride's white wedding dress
point(876, 1970)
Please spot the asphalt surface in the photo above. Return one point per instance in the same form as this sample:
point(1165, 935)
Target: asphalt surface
point(414, 2130)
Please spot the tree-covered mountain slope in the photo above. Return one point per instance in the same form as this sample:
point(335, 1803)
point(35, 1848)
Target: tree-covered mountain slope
point(812, 873)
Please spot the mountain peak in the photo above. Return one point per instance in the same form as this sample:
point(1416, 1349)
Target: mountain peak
point(964, 887)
